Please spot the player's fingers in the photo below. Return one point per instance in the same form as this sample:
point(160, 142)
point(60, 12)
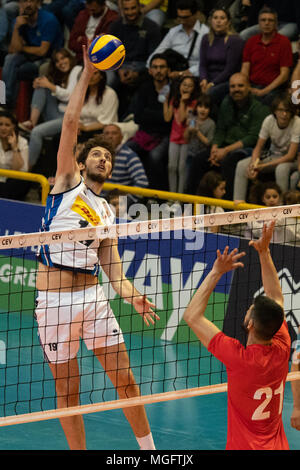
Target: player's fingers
point(238, 256)
point(150, 304)
point(238, 265)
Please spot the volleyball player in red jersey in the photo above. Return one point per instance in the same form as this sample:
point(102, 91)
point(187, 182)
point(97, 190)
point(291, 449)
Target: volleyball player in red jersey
point(256, 373)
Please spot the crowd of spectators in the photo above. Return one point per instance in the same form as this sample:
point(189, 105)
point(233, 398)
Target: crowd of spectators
point(204, 88)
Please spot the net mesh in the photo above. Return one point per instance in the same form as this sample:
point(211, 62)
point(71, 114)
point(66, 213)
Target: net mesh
point(166, 259)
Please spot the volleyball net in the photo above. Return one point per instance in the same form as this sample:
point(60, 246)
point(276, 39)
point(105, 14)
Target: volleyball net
point(166, 259)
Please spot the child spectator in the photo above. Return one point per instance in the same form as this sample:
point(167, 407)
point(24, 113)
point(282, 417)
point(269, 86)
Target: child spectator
point(285, 230)
point(282, 129)
point(212, 185)
point(118, 203)
point(198, 134)
point(176, 109)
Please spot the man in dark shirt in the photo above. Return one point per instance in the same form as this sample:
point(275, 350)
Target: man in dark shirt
point(140, 37)
point(151, 141)
point(239, 120)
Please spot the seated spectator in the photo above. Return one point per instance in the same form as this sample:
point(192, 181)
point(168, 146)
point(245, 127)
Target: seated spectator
point(13, 156)
point(185, 38)
point(286, 230)
point(100, 107)
point(94, 20)
point(288, 17)
point(118, 202)
point(151, 141)
point(128, 169)
point(239, 121)
point(199, 135)
point(176, 110)
point(282, 130)
point(155, 10)
point(64, 10)
point(220, 55)
point(267, 58)
point(36, 34)
point(49, 100)
point(140, 37)
point(212, 185)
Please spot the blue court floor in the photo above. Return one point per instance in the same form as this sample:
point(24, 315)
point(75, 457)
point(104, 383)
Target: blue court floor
point(186, 424)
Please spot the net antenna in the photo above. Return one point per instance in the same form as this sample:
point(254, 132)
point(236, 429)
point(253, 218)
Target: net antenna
point(165, 369)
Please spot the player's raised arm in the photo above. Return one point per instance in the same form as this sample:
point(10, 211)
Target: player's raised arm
point(194, 314)
point(66, 163)
point(269, 274)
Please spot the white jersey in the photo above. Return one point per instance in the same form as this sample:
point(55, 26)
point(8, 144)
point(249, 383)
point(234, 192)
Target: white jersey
point(72, 209)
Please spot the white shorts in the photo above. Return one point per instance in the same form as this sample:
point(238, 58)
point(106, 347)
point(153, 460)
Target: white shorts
point(64, 317)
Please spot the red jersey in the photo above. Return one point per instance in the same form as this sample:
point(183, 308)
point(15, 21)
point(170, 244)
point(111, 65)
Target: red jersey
point(256, 380)
point(267, 59)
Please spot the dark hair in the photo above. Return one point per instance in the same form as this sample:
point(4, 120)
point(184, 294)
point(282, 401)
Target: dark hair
point(258, 189)
point(115, 193)
point(285, 99)
point(161, 56)
point(208, 183)
point(191, 5)
point(268, 10)
point(7, 114)
point(100, 90)
point(56, 76)
point(267, 316)
point(271, 185)
point(204, 100)
point(96, 141)
point(100, 2)
point(175, 89)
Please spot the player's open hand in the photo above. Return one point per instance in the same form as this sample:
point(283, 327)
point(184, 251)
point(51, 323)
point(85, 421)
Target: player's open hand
point(262, 244)
point(145, 308)
point(226, 261)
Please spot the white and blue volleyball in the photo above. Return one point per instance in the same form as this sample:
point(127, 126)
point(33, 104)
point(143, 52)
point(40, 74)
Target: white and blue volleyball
point(107, 52)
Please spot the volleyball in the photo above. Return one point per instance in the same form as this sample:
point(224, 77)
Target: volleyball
point(107, 52)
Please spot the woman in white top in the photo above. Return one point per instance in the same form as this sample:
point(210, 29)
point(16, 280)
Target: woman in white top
point(50, 97)
point(282, 128)
point(13, 156)
point(100, 107)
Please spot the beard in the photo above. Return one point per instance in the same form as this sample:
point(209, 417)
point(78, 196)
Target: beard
point(97, 177)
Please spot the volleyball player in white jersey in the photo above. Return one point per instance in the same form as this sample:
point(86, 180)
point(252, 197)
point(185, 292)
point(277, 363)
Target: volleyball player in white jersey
point(70, 302)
